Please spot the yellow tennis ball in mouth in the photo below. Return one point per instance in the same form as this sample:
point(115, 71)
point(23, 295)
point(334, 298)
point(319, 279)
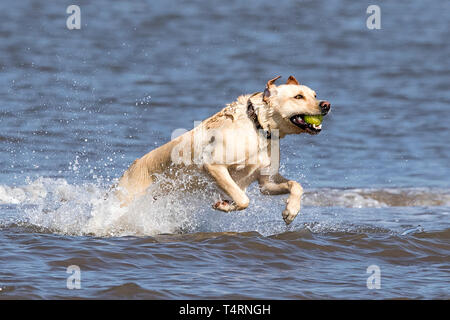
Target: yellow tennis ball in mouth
point(316, 120)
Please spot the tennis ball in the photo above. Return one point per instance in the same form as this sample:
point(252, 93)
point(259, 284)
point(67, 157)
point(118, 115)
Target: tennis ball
point(316, 120)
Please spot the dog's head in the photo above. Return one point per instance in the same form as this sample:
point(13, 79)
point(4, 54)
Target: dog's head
point(289, 104)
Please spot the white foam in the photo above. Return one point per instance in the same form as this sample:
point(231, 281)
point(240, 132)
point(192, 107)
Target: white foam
point(81, 209)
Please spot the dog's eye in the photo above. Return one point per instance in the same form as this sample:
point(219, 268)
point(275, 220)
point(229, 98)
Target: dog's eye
point(299, 96)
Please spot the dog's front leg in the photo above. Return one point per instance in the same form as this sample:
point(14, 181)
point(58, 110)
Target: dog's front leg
point(277, 184)
point(222, 176)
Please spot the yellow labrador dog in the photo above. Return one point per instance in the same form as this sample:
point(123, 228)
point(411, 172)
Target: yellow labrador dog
point(236, 146)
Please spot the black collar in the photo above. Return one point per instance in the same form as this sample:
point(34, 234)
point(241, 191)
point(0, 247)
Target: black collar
point(254, 117)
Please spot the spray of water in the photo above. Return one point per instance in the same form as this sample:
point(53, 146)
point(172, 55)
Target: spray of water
point(56, 206)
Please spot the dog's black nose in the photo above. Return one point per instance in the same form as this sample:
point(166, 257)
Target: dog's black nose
point(325, 106)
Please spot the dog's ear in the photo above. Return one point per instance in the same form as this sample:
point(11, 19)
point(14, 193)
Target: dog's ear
point(270, 87)
point(292, 80)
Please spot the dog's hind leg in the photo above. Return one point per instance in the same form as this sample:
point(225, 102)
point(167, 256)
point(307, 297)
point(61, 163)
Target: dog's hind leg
point(133, 183)
point(222, 176)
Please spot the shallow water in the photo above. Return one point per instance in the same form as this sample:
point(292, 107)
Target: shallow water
point(77, 107)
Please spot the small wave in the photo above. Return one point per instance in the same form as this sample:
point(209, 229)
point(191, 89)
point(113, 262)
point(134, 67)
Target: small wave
point(378, 198)
point(131, 290)
point(36, 191)
point(55, 206)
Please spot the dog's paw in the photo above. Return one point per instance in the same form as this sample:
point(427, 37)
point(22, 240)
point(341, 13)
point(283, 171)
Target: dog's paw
point(288, 217)
point(224, 205)
point(292, 209)
point(290, 213)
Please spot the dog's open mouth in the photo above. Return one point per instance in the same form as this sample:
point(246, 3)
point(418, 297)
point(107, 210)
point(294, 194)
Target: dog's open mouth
point(299, 121)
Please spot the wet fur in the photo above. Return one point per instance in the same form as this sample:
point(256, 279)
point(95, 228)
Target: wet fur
point(274, 106)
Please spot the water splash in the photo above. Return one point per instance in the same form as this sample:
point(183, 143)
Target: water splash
point(56, 206)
